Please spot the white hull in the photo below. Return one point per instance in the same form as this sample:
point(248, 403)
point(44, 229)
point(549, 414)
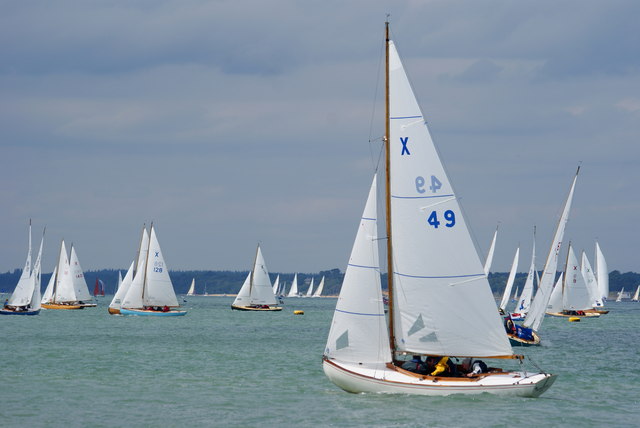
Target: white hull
point(357, 379)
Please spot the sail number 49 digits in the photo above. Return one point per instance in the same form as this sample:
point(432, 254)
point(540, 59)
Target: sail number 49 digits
point(449, 216)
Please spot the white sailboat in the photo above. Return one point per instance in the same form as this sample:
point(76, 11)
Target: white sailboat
point(592, 286)
point(192, 288)
point(636, 296)
point(320, 288)
point(256, 294)
point(151, 292)
point(79, 284)
point(276, 286)
point(527, 334)
point(576, 299)
point(524, 301)
point(293, 291)
point(63, 293)
point(602, 274)
point(310, 289)
point(116, 302)
point(492, 248)
point(135, 271)
point(435, 275)
point(25, 299)
point(621, 295)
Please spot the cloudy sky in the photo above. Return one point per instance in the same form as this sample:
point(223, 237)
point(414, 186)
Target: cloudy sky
point(229, 123)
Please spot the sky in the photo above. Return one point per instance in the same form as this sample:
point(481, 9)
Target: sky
point(233, 123)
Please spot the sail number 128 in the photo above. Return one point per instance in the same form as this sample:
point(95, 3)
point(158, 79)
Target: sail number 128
point(449, 217)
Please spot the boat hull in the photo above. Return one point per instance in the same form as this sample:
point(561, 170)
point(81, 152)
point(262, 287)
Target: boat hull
point(584, 315)
point(359, 379)
point(56, 306)
point(114, 311)
point(251, 308)
point(7, 312)
point(519, 341)
point(142, 312)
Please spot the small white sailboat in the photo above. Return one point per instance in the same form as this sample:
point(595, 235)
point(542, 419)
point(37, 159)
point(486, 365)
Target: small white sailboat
point(602, 274)
point(523, 302)
point(597, 304)
point(310, 289)
point(151, 292)
point(116, 302)
point(62, 294)
point(293, 291)
point(576, 299)
point(527, 333)
point(80, 287)
point(26, 299)
point(320, 288)
point(636, 295)
point(621, 295)
point(435, 275)
point(256, 293)
point(192, 288)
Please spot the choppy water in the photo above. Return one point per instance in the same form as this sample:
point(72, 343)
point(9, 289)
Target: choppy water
point(217, 367)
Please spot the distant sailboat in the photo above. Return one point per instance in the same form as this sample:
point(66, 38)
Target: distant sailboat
point(576, 299)
point(320, 288)
point(440, 300)
point(602, 274)
point(293, 291)
point(25, 299)
point(636, 296)
point(256, 293)
point(310, 290)
point(98, 288)
point(192, 288)
point(276, 286)
point(621, 295)
point(597, 302)
point(151, 292)
point(524, 301)
point(116, 302)
point(507, 289)
point(69, 289)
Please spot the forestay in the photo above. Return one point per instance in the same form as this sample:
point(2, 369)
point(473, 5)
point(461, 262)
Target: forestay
point(358, 331)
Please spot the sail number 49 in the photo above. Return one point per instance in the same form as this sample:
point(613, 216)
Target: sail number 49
point(449, 217)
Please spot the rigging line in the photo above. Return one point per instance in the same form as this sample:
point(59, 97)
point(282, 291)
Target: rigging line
point(375, 97)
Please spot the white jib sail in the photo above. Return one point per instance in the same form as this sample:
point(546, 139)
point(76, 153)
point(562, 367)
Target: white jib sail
point(47, 296)
point(575, 296)
point(293, 291)
point(437, 272)
point(320, 288)
point(276, 285)
point(244, 295)
point(358, 331)
point(492, 248)
point(310, 290)
point(261, 288)
point(512, 276)
point(545, 286)
point(64, 291)
point(116, 302)
point(158, 288)
point(602, 274)
point(555, 302)
point(133, 296)
point(79, 283)
point(21, 295)
point(592, 283)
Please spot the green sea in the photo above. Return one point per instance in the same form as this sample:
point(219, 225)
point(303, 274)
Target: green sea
point(218, 367)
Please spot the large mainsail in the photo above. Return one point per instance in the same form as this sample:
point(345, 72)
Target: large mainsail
point(261, 289)
point(310, 289)
point(545, 286)
point(358, 332)
point(158, 289)
point(64, 291)
point(437, 273)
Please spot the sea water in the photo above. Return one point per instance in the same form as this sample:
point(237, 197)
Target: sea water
point(218, 367)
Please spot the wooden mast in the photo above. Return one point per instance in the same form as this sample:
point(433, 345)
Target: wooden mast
point(392, 338)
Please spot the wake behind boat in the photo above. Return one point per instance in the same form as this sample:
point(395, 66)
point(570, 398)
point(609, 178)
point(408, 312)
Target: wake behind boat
point(436, 275)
